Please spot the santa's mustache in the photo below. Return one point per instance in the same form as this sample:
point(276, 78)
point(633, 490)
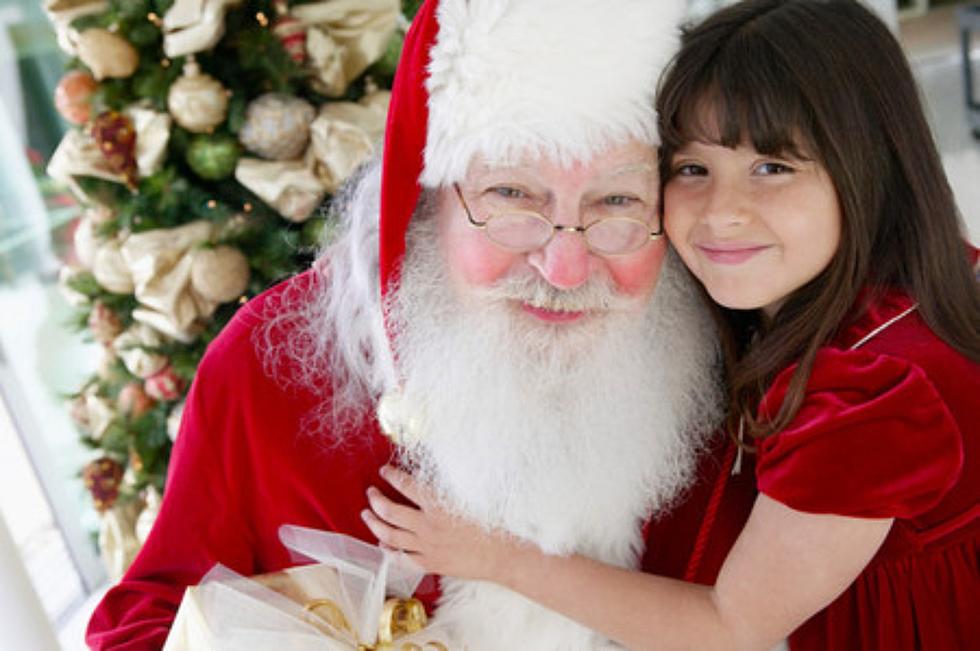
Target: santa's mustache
point(597, 294)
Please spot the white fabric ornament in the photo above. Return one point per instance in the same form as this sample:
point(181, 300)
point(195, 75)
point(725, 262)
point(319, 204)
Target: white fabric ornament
point(344, 37)
point(65, 275)
point(146, 518)
point(291, 187)
point(107, 54)
point(63, 13)
point(152, 135)
point(131, 347)
point(92, 413)
point(220, 274)
point(197, 101)
point(86, 242)
point(117, 538)
point(173, 421)
point(191, 26)
point(110, 270)
point(346, 134)
point(277, 126)
point(160, 262)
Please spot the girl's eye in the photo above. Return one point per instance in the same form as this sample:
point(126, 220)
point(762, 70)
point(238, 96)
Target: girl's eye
point(690, 169)
point(770, 168)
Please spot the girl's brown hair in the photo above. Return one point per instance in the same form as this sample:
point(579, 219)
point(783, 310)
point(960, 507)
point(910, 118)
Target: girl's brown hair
point(825, 79)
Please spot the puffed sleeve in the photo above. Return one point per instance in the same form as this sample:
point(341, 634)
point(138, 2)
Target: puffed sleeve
point(873, 439)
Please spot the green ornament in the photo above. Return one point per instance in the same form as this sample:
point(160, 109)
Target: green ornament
point(213, 157)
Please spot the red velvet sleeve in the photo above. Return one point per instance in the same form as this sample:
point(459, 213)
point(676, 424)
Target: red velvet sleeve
point(872, 439)
point(199, 519)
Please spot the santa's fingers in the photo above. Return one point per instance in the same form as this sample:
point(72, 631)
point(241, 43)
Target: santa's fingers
point(407, 485)
point(389, 536)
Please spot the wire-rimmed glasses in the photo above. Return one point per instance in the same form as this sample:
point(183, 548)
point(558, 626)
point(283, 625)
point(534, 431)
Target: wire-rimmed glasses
point(526, 230)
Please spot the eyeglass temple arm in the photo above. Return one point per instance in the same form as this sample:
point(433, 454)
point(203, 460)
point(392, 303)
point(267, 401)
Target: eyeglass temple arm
point(466, 208)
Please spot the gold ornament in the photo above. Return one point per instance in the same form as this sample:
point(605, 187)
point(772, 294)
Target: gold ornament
point(277, 126)
point(107, 54)
point(197, 100)
point(220, 274)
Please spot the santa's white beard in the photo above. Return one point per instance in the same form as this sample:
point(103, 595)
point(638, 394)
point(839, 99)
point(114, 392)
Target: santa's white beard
point(568, 435)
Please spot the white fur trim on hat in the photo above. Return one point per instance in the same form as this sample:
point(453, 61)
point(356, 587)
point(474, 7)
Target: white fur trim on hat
point(563, 79)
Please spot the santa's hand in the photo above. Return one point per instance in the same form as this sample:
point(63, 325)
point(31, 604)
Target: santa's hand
point(440, 542)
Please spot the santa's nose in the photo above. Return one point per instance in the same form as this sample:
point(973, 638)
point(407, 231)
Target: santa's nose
point(565, 262)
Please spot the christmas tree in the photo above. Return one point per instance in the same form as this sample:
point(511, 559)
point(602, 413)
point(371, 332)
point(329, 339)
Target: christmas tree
point(207, 137)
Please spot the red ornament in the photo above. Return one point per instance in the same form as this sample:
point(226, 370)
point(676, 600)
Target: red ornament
point(116, 137)
point(102, 478)
point(133, 400)
point(73, 96)
point(292, 34)
point(165, 385)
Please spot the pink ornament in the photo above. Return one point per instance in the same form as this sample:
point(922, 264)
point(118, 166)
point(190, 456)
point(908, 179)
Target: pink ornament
point(73, 96)
point(292, 34)
point(104, 324)
point(134, 401)
point(165, 385)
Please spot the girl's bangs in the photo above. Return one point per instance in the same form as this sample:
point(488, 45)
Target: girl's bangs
point(742, 94)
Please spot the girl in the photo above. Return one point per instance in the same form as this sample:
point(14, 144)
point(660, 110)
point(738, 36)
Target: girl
point(803, 190)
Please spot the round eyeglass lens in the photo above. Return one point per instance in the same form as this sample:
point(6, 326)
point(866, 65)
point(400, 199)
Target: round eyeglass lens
point(519, 231)
point(617, 235)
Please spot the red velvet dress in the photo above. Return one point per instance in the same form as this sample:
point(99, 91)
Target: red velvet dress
point(889, 428)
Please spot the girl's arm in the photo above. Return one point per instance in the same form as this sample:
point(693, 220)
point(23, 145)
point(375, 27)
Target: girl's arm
point(785, 566)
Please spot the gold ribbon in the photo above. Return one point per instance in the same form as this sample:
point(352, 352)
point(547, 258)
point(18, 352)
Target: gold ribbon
point(344, 37)
point(399, 617)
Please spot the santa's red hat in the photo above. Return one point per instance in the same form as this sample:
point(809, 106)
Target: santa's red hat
point(562, 79)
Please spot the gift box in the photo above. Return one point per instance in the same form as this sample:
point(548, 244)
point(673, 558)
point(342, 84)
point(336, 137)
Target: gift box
point(352, 597)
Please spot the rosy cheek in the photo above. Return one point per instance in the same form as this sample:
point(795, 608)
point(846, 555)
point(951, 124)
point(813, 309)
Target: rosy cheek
point(477, 262)
point(637, 274)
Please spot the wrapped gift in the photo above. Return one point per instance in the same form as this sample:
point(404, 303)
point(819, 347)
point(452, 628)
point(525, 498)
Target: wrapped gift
point(353, 597)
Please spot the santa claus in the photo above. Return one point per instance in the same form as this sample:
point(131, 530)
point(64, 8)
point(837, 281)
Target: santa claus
point(499, 297)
